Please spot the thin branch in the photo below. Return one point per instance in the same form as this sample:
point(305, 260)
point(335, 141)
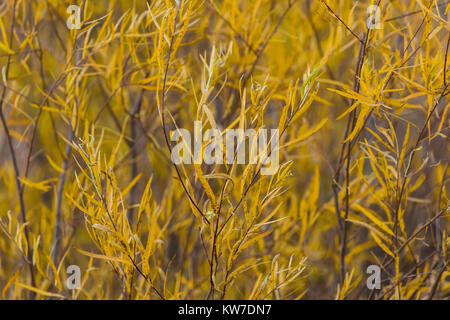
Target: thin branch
point(163, 118)
point(14, 159)
point(57, 231)
point(352, 118)
point(413, 13)
point(345, 25)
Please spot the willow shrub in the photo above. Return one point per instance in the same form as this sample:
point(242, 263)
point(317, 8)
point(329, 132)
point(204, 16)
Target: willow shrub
point(358, 94)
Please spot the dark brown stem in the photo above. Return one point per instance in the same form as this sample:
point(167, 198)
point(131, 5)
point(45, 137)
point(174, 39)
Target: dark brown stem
point(14, 160)
point(163, 118)
point(353, 117)
point(345, 25)
point(134, 152)
point(57, 231)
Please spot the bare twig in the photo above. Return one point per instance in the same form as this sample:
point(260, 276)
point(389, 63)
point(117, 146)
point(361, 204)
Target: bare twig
point(345, 25)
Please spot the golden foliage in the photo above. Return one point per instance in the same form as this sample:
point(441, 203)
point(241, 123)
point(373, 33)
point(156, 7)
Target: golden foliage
point(86, 171)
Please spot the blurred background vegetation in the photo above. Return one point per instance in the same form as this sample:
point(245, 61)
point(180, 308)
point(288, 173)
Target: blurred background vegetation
point(85, 171)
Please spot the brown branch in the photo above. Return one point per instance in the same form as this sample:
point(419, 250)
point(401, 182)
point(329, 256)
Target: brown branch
point(413, 13)
point(163, 118)
point(14, 159)
point(439, 224)
point(134, 152)
point(345, 25)
point(445, 60)
point(437, 281)
point(57, 231)
point(352, 118)
point(417, 232)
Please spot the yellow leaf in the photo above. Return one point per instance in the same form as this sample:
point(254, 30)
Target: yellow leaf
point(43, 185)
point(373, 217)
point(103, 257)
point(39, 291)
